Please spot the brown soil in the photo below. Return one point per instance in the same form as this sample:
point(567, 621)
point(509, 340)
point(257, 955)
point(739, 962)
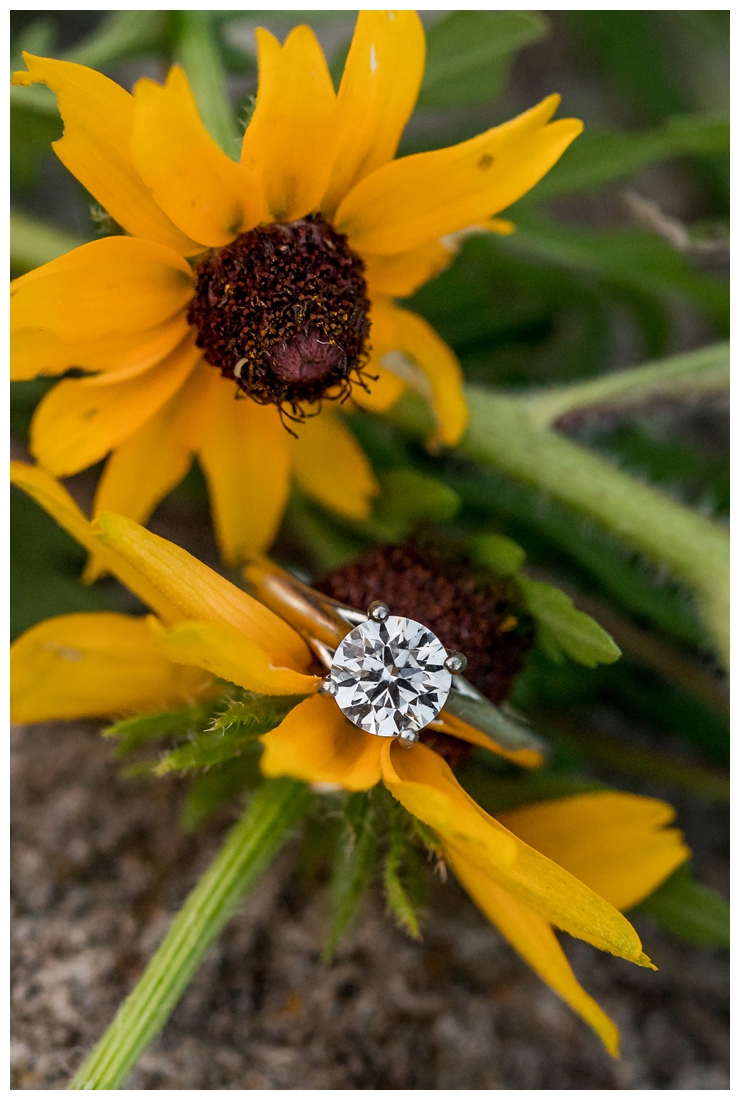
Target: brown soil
point(100, 867)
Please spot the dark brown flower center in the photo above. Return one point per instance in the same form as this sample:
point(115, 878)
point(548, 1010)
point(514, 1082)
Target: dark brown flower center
point(475, 615)
point(283, 311)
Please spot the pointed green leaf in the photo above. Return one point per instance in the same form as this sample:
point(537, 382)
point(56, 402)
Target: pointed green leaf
point(690, 910)
point(565, 628)
point(403, 877)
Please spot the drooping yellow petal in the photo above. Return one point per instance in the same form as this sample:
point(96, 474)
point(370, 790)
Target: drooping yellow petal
point(329, 465)
point(383, 390)
point(533, 938)
point(244, 455)
point(227, 653)
point(616, 843)
point(132, 484)
point(425, 785)
point(204, 192)
point(291, 140)
point(35, 351)
point(316, 743)
point(428, 195)
point(55, 500)
point(114, 286)
point(455, 727)
point(198, 592)
point(96, 148)
point(407, 345)
point(402, 273)
point(380, 84)
point(82, 419)
point(97, 665)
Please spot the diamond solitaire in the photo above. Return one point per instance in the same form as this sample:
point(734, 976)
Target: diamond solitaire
point(390, 676)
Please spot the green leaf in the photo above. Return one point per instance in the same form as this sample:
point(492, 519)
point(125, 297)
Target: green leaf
point(142, 729)
point(468, 54)
point(564, 627)
point(220, 783)
point(352, 870)
point(122, 34)
point(626, 259)
point(690, 910)
point(248, 850)
point(243, 718)
point(33, 243)
point(598, 157)
point(501, 554)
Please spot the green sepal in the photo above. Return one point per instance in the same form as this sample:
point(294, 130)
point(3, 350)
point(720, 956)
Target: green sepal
point(134, 733)
point(244, 717)
point(353, 869)
point(564, 629)
point(404, 884)
point(689, 910)
point(220, 783)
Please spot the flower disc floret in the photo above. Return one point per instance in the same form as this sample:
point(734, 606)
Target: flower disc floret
point(283, 311)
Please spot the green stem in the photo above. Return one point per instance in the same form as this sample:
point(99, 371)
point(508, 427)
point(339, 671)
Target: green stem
point(249, 848)
point(198, 53)
point(694, 548)
point(705, 370)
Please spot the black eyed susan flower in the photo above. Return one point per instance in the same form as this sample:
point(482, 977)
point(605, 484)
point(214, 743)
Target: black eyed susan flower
point(569, 864)
point(272, 279)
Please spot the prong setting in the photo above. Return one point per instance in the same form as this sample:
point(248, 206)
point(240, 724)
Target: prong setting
point(408, 738)
point(328, 687)
point(378, 611)
point(456, 663)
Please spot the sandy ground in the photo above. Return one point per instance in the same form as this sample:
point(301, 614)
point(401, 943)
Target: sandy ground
point(100, 866)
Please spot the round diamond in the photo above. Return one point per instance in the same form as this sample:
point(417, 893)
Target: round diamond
point(390, 676)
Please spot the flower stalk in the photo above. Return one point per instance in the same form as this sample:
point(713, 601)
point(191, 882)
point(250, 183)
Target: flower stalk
point(248, 850)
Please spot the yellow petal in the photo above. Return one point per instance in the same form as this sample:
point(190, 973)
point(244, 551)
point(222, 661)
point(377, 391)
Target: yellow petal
point(114, 286)
point(35, 351)
point(82, 419)
point(198, 592)
point(316, 743)
point(55, 500)
point(383, 390)
point(227, 653)
point(291, 141)
point(402, 273)
point(204, 192)
point(428, 195)
point(331, 468)
point(455, 727)
point(407, 345)
point(533, 938)
point(244, 455)
point(618, 844)
point(96, 148)
point(133, 483)
point(424, 783)
point(381, 81)
point(97, 665)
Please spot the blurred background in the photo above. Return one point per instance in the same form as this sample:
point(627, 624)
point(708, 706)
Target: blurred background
point(621, 255)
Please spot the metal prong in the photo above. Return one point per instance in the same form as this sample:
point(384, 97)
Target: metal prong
point(328, 687)
point(456, 663)
point(408, 738)
point(378, 611)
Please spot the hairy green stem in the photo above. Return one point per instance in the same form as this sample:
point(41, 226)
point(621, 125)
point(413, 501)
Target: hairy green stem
point(702, 371)
point(249, 848)
point(198, 52)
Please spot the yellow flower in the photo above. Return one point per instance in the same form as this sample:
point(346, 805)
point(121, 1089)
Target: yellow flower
point(569, 864)
point(190, 308)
